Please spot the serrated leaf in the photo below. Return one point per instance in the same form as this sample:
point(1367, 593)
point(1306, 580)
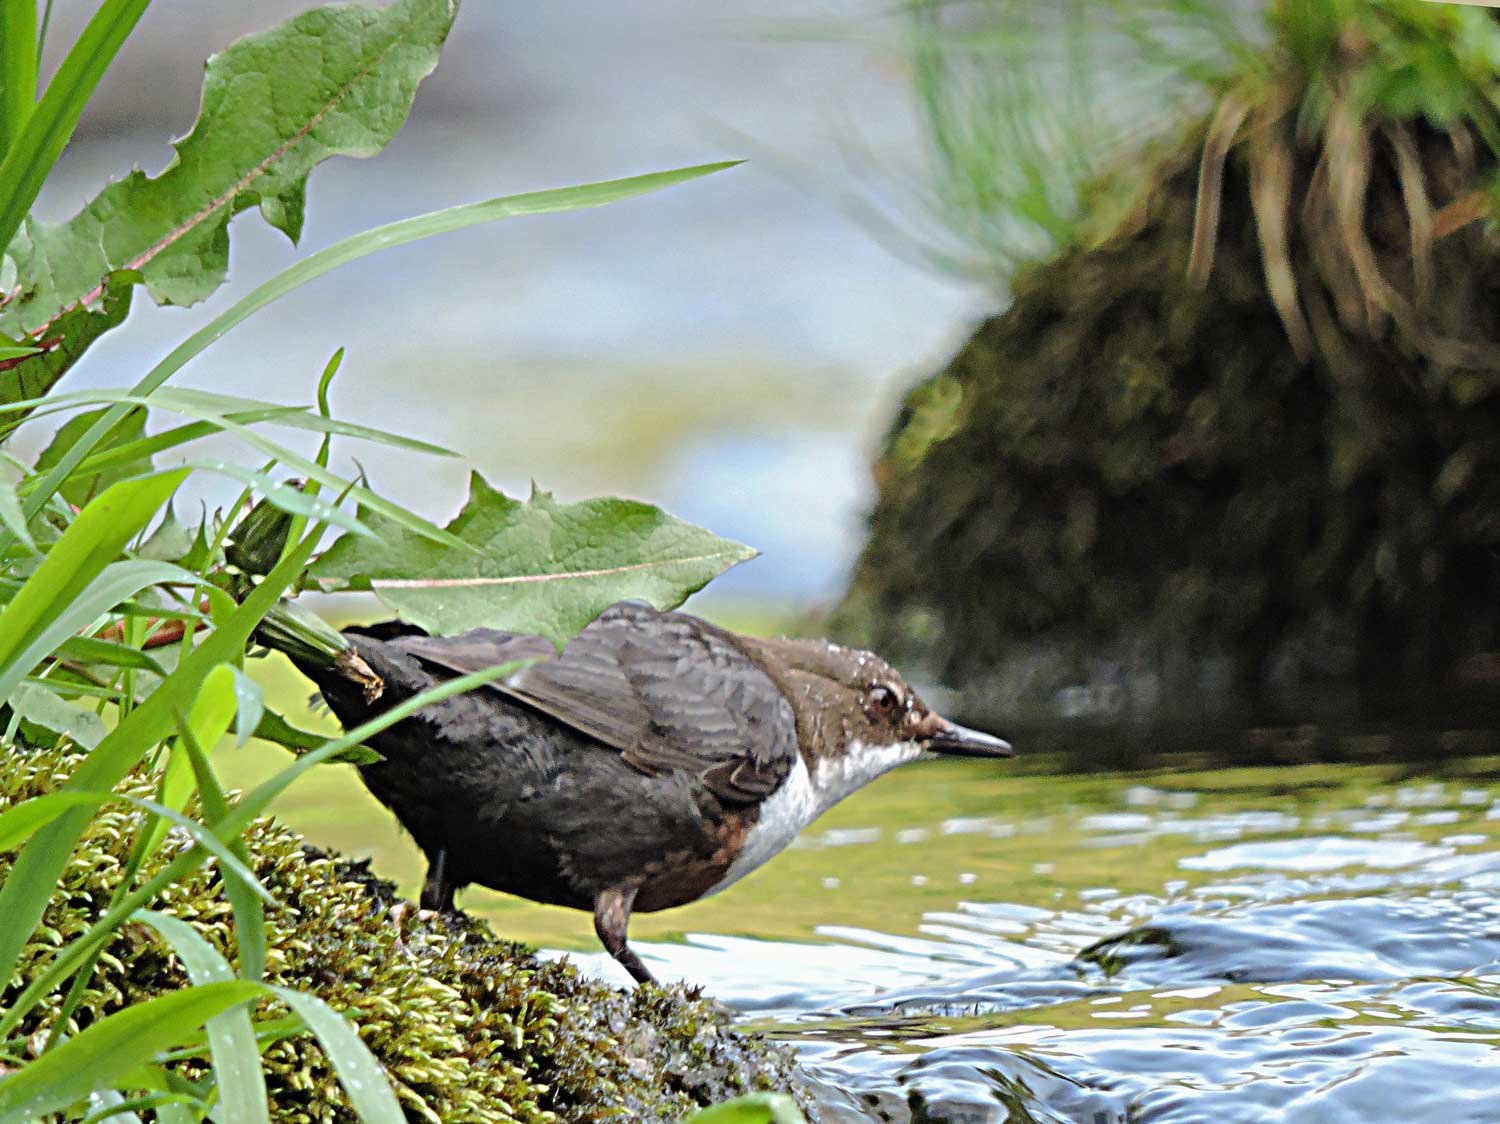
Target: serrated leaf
point(539, 566)
point(170, 542)
point(333, 81)
point(67, 337)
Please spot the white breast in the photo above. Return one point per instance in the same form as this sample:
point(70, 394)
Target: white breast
point(804, 796)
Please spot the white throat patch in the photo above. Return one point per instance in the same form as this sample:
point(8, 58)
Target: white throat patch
point(804, 796)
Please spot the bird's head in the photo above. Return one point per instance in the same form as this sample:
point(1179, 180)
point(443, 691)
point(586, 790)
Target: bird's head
point(856, 716)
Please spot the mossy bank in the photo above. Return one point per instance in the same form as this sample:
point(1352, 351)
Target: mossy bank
point(469, 1027)
point(1240, 448)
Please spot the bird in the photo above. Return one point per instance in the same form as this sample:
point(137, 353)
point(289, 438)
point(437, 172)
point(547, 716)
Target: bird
point(657, 760)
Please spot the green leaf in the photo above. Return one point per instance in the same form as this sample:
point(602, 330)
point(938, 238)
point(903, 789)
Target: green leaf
point(170, 542)
point(283, 496)
point(249, 917)
point(18, 59)
point(31, 155)
point(26, 890)
point(67, 338)
point(12, 518)
point(274, 728)
point(359, 1073)
point(21, 822)
point(90, 650)
point(91, 542)
point(81, 487)
point(207, 721)
point(250, 706)
point(753, 1108)
point(231, 1037)
point(117, 582)
point(332, 81)
point(540, 566)
point(113, 1047)
point(44, 708)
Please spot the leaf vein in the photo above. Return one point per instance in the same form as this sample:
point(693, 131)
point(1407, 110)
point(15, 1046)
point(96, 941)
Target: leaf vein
point(521, 579)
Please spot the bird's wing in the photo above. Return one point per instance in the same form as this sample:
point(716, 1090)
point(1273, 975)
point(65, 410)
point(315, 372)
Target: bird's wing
point(665, 689)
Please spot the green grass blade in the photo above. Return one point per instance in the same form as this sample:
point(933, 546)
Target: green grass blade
point(114, 584)
point(209, 841)
point(24, 894)
point(21, 822)
point(231, 1037)
point(208, 720)
point(11, 516)
point(31, 156)
point(352, 249)
point(90, 650)
point(249, 917)
point(112, 1106)
point(113, 1047)
point(364, 1081)
point(94, 540)
point(288, 499)
point(250, 706)
point(18, 58)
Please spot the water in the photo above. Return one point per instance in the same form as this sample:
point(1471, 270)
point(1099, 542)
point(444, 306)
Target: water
point(967, 941)
point(1304, 944)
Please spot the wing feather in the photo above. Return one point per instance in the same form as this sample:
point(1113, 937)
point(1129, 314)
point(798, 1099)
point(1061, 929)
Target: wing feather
point(667, 690)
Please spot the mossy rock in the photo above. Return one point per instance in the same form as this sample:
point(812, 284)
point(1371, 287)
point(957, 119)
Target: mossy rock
point(469, 1027)
point(1128, 496)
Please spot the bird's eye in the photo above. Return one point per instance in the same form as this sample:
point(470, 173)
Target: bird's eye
point(884, 702)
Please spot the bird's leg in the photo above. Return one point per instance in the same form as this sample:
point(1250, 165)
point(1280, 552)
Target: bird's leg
point(437, 891)
point(611, 919)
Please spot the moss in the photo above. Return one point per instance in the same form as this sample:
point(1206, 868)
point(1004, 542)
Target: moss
point(469, 1027)
point(1125, 470)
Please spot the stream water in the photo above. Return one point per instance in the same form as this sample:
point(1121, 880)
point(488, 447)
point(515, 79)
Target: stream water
point(1313, 943)
point(967, 942)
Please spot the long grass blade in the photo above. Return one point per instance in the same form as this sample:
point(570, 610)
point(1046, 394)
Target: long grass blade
point(93, 541)
point(31, 156)
point(114, 584)
point(365, 1083)
point(352, 249)
point(231, 1036)
point(249, 916)
point(114, 1047)
point(18, 59)
point(24, 894)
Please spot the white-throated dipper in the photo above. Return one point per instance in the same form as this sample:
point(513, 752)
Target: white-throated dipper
point(658, 760)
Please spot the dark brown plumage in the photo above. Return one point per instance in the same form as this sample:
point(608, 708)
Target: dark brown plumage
point(656, 761)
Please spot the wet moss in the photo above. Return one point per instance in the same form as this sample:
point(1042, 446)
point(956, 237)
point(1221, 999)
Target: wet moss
point(469, 1027)
point(1134, 489)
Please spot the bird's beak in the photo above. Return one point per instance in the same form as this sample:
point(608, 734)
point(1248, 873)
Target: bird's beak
point(954, 740)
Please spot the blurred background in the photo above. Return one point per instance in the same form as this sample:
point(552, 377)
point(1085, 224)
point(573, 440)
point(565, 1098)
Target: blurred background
point(729, 350)
point(1131, 368)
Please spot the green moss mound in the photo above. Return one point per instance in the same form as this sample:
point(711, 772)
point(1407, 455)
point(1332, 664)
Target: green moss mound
point(469, 1027)
point(1131, 493)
